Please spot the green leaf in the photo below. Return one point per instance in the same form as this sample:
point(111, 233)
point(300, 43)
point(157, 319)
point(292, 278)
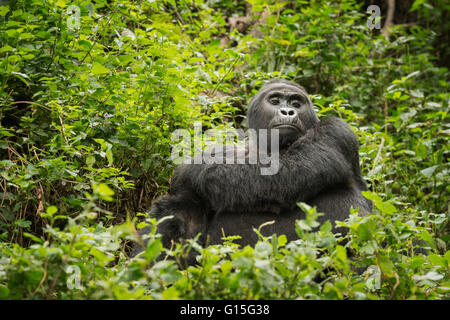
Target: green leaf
point(23, 223)
point(447, 256)
point(51, 210)
point(396, 95)
point(3, 10)
point(263, 249)
point(141, 225)
point(61, 3)
point(282, 240)
point(341, 253)
point(6, 48)
point(33, 237)
point(386, 265)
point(97, 68)
point(416, 261)
point(369, 248)
point(416, 5)
point(4, 292)
point(386, 207)
point(422, 151)
point(326, 227)
point(366, 230)
point(171, 293)
point(433, 275)
point(302, 225)
point(226, 267)
point(109, 156)
point(371, 196)
point(125, 59)
point(103, 191)
point(153, 249)
point(21, 76)
point(99, 255)
point(304, 206)
point(90, 161)
point(428, 238)
point(85, 43)
point(428, 172)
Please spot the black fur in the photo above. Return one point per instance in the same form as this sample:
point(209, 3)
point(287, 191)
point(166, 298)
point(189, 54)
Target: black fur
point(318, 164)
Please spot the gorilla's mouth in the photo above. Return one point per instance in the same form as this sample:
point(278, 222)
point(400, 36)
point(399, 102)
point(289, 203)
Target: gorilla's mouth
point(287, 126)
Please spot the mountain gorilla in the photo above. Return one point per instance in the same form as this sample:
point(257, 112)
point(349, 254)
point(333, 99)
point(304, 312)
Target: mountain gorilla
point(318, 164)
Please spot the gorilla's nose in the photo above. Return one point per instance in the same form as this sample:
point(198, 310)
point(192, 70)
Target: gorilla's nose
point(288, 112)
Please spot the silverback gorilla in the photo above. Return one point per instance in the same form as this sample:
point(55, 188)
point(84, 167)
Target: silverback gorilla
point(318, 164)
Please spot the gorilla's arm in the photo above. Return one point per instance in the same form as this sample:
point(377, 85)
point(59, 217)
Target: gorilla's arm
point(326, 156)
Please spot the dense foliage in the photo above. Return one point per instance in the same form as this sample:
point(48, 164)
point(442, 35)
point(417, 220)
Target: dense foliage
point(90, 95)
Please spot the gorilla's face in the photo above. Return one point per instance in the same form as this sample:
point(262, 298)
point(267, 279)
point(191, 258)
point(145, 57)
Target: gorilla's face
point(284, 106)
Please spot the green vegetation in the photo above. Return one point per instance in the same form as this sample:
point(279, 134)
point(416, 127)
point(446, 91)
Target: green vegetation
point(87, 110)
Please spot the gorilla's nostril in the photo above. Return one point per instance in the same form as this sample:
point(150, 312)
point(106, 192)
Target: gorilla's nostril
point(287, 112)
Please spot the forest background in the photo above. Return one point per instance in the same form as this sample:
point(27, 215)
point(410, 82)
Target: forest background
point(90, 92)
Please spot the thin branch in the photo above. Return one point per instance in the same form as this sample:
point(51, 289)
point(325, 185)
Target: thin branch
point(30, 102)
point(389, 19)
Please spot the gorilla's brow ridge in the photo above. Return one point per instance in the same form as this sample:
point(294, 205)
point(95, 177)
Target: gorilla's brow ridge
point(280, 87)
point(290, 95)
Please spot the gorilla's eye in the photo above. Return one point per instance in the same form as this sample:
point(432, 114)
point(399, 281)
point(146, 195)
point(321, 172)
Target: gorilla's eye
point(295, 103)
point(274, 100)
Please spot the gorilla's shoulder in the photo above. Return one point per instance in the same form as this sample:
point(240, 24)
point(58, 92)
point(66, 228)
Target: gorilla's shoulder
point(338, 131)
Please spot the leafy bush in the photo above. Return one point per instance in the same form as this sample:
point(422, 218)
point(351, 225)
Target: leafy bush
point(87, 113)
point(88, 262)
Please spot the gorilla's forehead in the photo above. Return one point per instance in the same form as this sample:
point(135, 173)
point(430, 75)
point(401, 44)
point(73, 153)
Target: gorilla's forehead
point(283, 88)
